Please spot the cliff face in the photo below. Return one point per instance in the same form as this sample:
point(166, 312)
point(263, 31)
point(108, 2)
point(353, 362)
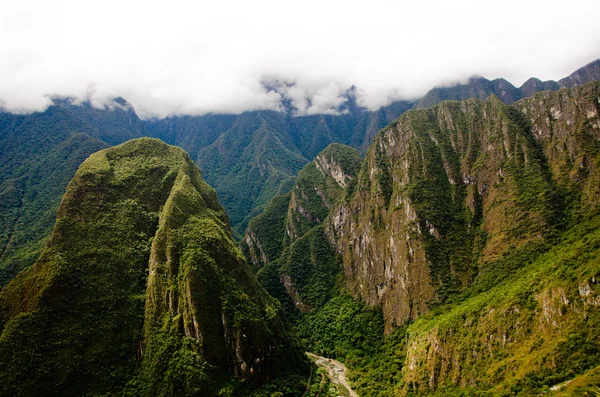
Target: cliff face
point(141, 289)
point(318, 187)
point(287, 241)
point(455, 194)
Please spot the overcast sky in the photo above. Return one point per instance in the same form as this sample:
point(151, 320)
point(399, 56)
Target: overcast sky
point(192, 57)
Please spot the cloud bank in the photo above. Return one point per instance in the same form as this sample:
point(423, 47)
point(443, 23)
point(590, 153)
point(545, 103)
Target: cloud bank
point(189, 57)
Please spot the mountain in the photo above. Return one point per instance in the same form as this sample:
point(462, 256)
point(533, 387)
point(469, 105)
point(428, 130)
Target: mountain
point(319, 185)
point(474, 229)
point(141, 291)
point(590, 72)
point(251, 157)
point(457, 194)
point(39, 154)
point(287, 243)
point(481, 88)
point(248, 165)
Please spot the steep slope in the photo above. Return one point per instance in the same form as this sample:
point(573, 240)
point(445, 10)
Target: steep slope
point(319, 185)
point(39, 154)
point(140, 291)
point(297, 265)
point(463, 193)
point(248, 163)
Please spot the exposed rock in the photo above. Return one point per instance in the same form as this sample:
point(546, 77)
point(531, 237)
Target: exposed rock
point(473, 176)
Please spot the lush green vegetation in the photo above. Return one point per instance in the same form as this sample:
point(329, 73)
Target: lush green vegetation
point(547, 339)
point(347, 330)
point(268, 230)
point(312, 266)
point(142, 291)
point(39, 154)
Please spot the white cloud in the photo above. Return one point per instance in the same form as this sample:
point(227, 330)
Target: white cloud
point(189, 57)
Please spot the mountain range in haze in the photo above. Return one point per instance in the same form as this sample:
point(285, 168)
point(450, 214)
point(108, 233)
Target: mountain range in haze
point(247, 158)
point(435, 247)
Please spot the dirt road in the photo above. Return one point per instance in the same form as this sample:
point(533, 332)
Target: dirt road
point(336, 371)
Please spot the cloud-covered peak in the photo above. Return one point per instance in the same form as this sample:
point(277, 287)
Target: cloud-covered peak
point(186, 57)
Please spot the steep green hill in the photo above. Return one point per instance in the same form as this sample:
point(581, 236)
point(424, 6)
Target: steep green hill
point(141, 291)
point(39, 154)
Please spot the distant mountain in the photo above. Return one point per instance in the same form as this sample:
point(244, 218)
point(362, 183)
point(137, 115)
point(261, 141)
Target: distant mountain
point(250, 157)
point(141, 291)
point(590, 72)
point(481, 88)
point(247, 164)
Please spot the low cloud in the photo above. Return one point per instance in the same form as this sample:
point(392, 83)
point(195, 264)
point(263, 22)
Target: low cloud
point(229, 57)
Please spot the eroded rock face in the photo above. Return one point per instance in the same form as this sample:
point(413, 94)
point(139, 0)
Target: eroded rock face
point(445, 192)
point(141, 285)
point(320, 185)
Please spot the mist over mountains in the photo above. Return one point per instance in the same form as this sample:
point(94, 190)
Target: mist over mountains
point(442, 246)
point(247, 158)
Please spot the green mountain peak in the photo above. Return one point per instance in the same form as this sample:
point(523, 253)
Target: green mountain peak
point(141, 289)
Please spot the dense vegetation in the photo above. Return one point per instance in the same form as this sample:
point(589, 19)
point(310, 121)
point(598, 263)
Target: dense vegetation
point(533, 330)
point(507, 227)
point(39, 154)
point(298, 265)
point(142, 291)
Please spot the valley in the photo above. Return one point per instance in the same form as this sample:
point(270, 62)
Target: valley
point(445, 246)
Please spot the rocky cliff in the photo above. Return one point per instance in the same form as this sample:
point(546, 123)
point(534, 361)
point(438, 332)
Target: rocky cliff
point(458, 194)
point(287, 242)
point(141, 290)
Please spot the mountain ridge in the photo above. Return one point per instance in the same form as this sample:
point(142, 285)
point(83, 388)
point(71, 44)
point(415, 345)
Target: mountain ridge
point(28, 140)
